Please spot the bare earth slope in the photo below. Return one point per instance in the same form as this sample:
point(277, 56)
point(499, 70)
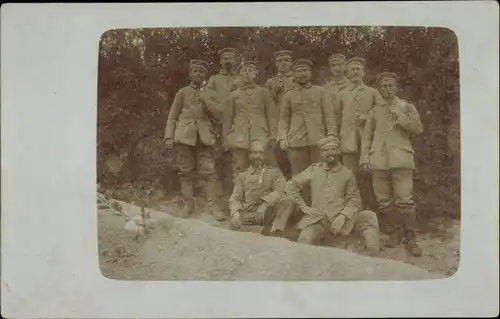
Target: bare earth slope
point(181, 249)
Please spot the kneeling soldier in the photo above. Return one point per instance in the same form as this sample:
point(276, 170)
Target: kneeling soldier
point(336, 203)
point(258, 198)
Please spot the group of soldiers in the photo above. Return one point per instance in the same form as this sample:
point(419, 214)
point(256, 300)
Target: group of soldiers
point(296, 146)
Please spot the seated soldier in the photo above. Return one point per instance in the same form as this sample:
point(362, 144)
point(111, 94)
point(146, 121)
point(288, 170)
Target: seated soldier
point(258, 198)
point(336, 203)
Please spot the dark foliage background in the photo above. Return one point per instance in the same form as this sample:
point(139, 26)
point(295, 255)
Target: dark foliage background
point(140, 70)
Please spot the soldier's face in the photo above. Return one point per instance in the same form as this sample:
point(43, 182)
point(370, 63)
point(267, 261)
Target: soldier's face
point(247, 74)
point(284, 64)
point(302, 74)
point(388, 88)
point(330, 155)
point(337, 68)
point(257, 154)
point(198, 75)
point(355, 71)
point(227, 61)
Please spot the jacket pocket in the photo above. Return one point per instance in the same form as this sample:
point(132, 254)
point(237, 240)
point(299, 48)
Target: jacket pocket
point(407, 148)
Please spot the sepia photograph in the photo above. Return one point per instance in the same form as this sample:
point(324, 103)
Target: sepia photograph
point(279, 153)
point(250, 160)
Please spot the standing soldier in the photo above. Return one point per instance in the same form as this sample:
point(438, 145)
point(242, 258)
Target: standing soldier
point(336, 203)
point(337, 63)
point(283, 81)
point(259, 198)
point(251, 116)
point(306, 116)
point(278, 86)
point(351, 108)
point(215, 96)
point(388, 153)
point(189, 129)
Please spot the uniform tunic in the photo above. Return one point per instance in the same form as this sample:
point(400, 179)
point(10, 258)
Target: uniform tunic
point(306, 116)
point(252, 116)
point(279, 85)
point(334, 191)
point(267, 184)
point(386, 145)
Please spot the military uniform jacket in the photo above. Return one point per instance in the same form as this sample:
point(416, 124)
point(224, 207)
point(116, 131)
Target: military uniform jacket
point(188, 120)
point(306, 116)
point(279, 85)
point(348, 102)
point(386, 140)
point(251, 185)
point(252, 115)
point(333, 88)
point(334, 191)
point(216, 94)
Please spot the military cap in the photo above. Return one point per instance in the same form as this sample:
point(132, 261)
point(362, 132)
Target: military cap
point(301, 62)
point(199, 64)
point(328, 142)
point(258, 143)
point(357, 60)
point(387, 75)
point(248, 64)
point(337, 57)
point(230, 51)
point(281, 53)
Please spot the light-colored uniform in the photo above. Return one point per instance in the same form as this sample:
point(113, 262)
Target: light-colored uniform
point(267, 184)
point(387, 147)
point(252, 115)
point(306, 117)
point(334, 192)
point(189, 126)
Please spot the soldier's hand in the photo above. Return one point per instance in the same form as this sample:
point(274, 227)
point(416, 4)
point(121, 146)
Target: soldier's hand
point(366, 167)
point(337, 224)
point(360, 119)
point(309, 211)
point(284, 144)
point(248, 220)
point(235, 220)
point(271, 142)
point(169, 142)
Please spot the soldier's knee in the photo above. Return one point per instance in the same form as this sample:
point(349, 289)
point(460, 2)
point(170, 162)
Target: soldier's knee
point(286, 201)
point(368, 218)
point(305, 238)
point(309, 235)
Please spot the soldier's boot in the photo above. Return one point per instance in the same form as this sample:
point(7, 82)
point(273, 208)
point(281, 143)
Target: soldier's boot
point(394, 229)
point(187, 190)
point(372, 240)
point(212, 200)
point(409, 226)
point(412, 245)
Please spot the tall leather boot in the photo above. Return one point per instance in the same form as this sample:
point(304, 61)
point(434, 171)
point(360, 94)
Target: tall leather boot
point(394, 228)
point(383, 216)
point(187, 190)
point(212, 199)
point(409, 226)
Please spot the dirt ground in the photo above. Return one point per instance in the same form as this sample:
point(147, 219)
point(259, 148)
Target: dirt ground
point(188, 246)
